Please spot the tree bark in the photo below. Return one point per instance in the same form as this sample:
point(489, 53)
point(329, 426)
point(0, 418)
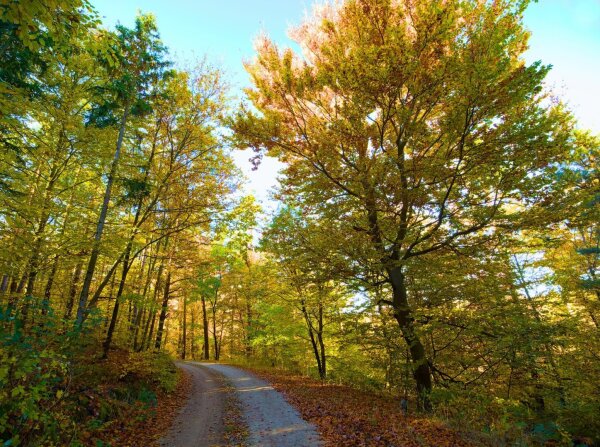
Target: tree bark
point(49, 284)
point(405, 319)
point(142, 314)
point(73, 289)
point(152, 315)
point(192, 344)
point(323, 371)
point(115, 312)
point(163, 312)
point(214, 325)
point(313, 341)
point(4, 286)
point(205, 329)
point(184, 330)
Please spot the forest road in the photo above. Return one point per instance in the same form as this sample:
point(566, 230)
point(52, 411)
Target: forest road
point(272, 422)
point(200, 421)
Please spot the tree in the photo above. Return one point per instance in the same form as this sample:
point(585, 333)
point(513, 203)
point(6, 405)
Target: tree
point(410, 130)
point(31, 35)
point(140, 67)
point(46, 151)
point(309, 281)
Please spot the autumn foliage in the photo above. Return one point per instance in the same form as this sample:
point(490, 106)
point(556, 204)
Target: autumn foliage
point(348, 417)
point(435, 237)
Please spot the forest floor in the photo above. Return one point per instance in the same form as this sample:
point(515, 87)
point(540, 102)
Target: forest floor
point(159, 420)
point(346, 417)
point(113, 397)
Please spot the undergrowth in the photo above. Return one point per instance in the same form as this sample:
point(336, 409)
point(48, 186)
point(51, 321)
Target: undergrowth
point(56, 391)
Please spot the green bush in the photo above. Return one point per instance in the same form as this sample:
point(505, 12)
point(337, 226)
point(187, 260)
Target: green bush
point(155, 369)
point(55, 390)
point(503, 422)
point(34, 377)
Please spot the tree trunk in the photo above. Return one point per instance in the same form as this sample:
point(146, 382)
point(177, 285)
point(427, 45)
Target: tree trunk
point(405, 319)
point(33, 264)
point(12, 294)
point(323, 371)
point(152, 317)
point(115, 312)
point(109, 300)
point(184, 330)
point(143, 343)
point(163, 312)
point(151, 331)
point(311, 334)
point(89, 274)
point(4, 285)
point(137, 346)
point(214, 324)
point(192, 344)
point(205, 329)
point(21, 284)
point(248, 347)
point(73, 289)
point(136, 332)
point(49, 283)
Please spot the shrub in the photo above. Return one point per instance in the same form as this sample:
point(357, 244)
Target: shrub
point(34, 377)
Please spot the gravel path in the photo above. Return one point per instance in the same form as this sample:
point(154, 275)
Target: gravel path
point(200, 422)
point(272, 422)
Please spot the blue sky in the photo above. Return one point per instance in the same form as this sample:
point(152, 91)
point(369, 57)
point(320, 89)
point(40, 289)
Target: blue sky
point(565, 34)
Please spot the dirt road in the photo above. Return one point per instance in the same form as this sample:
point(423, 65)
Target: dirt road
point(200, 422)
point(271, 421)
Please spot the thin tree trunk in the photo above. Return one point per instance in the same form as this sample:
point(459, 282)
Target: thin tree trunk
point(110, 298)
point(143, 343)
point(146, 339)
point(163, 312)
point(73, 289)
point(138, 321)
point(49, 283)
point(248, 347)
point(192, 344)
point(12, 294)
point(141, 315)
point(167, 332)
point(21, 284)
point(89, 274)
point(115, 313)
point(184, 330)
point(205, 329)
point(4, 285)
point(323, 371)
point(151, 332)
point(214, 324)
point(31, 270)
point(538, 397)
point(34, 261)
point(311, 334)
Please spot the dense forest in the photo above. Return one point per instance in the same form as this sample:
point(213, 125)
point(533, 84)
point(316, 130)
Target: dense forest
point(436, 235)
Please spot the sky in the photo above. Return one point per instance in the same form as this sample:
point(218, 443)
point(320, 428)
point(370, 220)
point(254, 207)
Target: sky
point(564, 33)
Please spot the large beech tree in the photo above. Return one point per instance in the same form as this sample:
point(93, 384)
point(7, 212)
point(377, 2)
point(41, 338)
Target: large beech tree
point(410, 129)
